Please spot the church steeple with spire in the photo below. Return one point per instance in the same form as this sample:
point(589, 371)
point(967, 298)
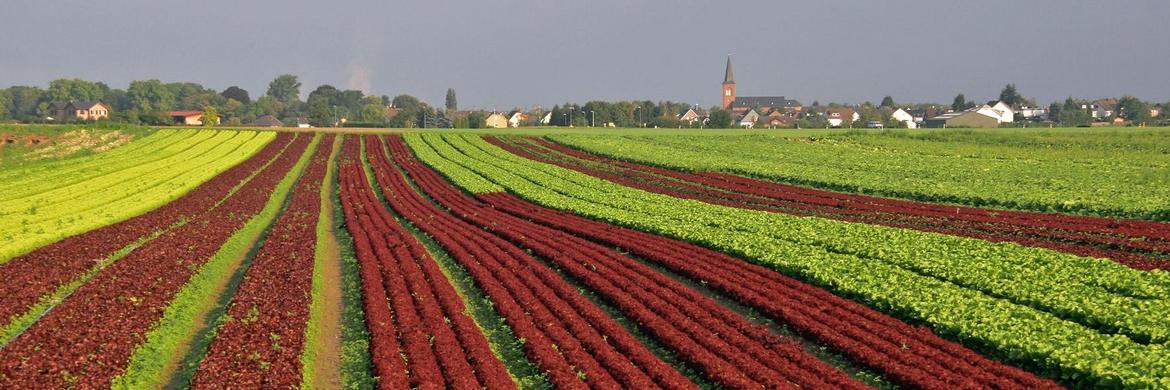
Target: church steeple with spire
point(728, 85)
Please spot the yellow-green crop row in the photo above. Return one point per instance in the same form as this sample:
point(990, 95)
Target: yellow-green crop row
point(24, 181)
point(71, 199)
point(31, 222)
point(1085, 321)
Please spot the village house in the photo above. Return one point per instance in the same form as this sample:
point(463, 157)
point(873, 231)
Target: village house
point(904, 116)
point(749, 119)
point(1032, 113)
point(267, 121)
point(1103, 108)
point(976, 117)
point(777, 118)
point(188, 118)
point(841, 116)
point(517, 118)
point(691, 115)
point(496, 120)
point(89, 110)
point(1000, 110)
point(389, 112)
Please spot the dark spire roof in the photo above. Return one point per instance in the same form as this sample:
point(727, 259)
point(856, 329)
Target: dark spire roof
point(728, 77)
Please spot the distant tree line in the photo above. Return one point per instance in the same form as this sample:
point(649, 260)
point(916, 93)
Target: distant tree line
point(147, 102)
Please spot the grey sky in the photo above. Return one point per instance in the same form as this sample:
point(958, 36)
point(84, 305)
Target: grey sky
point(501, 54)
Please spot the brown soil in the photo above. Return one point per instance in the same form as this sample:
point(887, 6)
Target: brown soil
point(74, 141)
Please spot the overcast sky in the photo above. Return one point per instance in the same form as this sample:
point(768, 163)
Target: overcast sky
point(503, 54)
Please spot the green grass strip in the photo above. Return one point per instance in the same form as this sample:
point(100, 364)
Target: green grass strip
point(177, 331)
point(313, 329)
point(34, 313)
point(357, 370)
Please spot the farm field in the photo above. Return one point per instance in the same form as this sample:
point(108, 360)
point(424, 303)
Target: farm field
point(615, 258)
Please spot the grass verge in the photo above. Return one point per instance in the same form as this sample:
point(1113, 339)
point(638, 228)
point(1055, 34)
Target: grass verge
point(320, 356)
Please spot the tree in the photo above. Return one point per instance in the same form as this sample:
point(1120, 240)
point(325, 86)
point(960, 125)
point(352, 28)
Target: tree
point(234, 92)
point(267, 105)
point(322, 104)
point(285, 88)
point(410, 111)
point(960, 103)
point(1054, 111)
point(720, 119)
point(24, 101)
point(887, 101)
point(148, 96)
point(1071, 114)
point(65, 90)
point(476, 120)
point(373, 113)
point(436, 119)
point(452, 103)
point(1133, 109)
point(1010, 96)
point(5, 104)
point(210, 116)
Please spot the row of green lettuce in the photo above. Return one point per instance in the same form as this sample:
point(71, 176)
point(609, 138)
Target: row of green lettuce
point(1031, 177)
point(1084, 321)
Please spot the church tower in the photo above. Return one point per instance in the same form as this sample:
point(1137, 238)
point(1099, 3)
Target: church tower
point(728, 85)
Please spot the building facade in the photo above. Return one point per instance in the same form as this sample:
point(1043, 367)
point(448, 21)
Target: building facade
point(740, 105)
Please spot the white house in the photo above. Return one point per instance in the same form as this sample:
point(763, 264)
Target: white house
point(840, 116)
point(516, 118)
point(1032, 113)
point(690, 116)
point(749, 119)
point(1002, 111)
point(1103, 109)
point(546, 119)
point(903, 116)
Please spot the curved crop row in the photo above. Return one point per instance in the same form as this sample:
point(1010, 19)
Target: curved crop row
point(1054, 184)
point(32, 277)
point(88, 339)
point(727, 347)
point(24, 181)
point(47, 217)
point(885, 268)
point(1109, 298)
point(261, 342)
point(441, 343)
point(1088, 236)
point(906, 354)
point(565, 334)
